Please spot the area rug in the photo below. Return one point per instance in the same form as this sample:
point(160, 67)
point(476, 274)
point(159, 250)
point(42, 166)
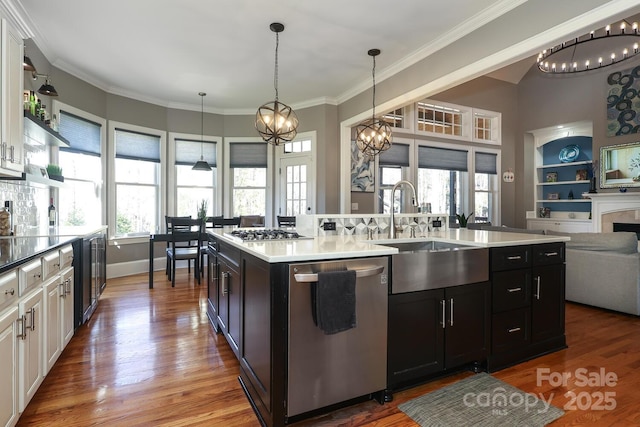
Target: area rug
point(481, 400)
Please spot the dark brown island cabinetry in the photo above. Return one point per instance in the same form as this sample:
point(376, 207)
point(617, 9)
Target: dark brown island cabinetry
point(437, 330)
point(527, 302)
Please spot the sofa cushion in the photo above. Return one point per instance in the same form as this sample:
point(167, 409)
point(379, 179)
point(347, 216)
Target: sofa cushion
point(623, 242)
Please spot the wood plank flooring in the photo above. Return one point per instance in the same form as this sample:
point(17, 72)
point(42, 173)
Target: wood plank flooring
point(150, 358)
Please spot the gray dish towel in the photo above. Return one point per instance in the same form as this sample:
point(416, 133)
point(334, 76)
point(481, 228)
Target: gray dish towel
point(333, 300)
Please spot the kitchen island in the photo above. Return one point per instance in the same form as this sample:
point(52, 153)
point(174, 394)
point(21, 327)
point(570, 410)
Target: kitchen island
point(255, 300)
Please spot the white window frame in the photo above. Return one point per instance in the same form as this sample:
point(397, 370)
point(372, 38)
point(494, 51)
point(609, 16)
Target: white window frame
point(496, 126)
point(495, 201)
point(408, 173)
point(228, 177)
point(311, 172)
point(463, 110)
point(172, 178)
point(162, 186)
point(408, 118)
point(56, 107)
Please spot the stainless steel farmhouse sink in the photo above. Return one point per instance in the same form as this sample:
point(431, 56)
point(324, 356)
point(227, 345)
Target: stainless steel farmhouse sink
point(432, 265)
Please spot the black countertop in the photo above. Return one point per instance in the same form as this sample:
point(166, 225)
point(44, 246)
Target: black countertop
point(18, 250)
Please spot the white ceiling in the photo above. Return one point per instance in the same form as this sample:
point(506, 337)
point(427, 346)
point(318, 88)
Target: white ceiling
point(165, 52)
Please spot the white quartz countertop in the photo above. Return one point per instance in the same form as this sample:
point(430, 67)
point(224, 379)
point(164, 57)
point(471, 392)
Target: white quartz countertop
point(46, 231)
point(338, 247)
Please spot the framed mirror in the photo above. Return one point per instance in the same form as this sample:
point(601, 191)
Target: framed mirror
point(620, 165)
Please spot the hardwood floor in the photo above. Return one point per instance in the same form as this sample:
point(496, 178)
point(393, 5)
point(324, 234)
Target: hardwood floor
point(148, 357)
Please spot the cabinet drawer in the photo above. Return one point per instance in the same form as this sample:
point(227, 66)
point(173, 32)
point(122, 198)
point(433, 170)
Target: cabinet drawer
point(30, 276)
point(50, 264)
point(8, 288)
point(511, 289)
point(548, 253)
point(510, 257)
point(510, 329)
point(230, 254)
point(66, 256)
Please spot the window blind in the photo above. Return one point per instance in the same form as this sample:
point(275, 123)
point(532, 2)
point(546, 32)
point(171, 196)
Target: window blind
point(486, 163)
point(137, 146)
point(248, 155)
point(82, 134)
point(188, 152)
point(442, 158)
point(396, 155)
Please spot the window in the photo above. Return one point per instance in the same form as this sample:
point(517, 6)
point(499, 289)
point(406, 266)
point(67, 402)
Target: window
point(194, 186)
point(393, 167)
point(137, 171)
point(80, 200)
point(439, 119)
point(486, 126)
point(248, 169)
point(442, 178)
point(486, 184)
point(396, 118)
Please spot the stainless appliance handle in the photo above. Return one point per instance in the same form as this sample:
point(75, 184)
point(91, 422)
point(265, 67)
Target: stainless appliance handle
point(313, 277)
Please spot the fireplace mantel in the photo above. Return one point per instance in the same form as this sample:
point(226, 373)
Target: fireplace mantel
point(604, 203)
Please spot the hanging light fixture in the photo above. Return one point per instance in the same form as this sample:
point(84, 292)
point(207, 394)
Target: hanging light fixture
point(373, 135)
point(276, 122)
point(47, 88)
point(592, 51)
point(201, 165)
point(27, 65)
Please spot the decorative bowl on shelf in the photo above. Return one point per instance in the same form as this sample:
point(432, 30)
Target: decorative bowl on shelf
point(569, 153)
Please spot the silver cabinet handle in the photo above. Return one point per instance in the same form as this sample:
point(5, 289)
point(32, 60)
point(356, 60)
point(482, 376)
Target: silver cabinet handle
point(68, 291)
point(551, 254)
point(23, 320)
point(537, 295)
point(12, 157)
point(63, 291)
point(451, 314)
point(3, 151)
point(514, 290)
point(33, 318)
point(512, 330)
point(444, 313)
point(224, 282)
point(514, 257)
point(10, 291)
point(313, 277)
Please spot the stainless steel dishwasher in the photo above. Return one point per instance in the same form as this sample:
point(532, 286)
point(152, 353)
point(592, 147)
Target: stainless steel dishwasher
point(328, 369)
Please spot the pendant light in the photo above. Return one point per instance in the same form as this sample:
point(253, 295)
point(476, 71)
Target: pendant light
point(373, 135)
point(201, 165)
point(276, 122)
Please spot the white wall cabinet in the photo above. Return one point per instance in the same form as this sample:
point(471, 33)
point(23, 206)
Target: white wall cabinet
point(11, 105)
point(567, 226)
point(9, 370)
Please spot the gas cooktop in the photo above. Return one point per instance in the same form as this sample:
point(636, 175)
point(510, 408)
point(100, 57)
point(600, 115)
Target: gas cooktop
point(265, 234)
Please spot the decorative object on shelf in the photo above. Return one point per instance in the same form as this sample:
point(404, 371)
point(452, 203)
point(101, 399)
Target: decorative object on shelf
point(553, 196)
point(569, 153)
point(621, 165)
point(592, 185)
point(552, 177)
point(276, 122)
point(55, 172)
point(508, 176)
point(582, 175)
point(373, 135)
point(201, 165)
point(463, 220)
point(544, 212)
point(600, 48)
point(623, 101)
point(570, 196)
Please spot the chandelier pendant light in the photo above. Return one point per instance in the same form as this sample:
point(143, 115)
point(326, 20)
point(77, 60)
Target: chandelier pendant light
point(276, 122)
point(201, 165)
point(593, 51)
point(373, 135)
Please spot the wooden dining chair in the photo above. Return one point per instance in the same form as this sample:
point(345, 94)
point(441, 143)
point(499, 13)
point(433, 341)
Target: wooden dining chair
point(286, 221)
point(184, 244)
point(167, 225)
point(219, 222)
point(209, 223)
point(251, 221)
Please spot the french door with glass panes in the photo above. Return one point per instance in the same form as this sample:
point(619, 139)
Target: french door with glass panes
point(297, 185)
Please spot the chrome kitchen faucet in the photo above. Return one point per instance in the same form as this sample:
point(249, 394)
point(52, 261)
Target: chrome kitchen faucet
point(414, 202)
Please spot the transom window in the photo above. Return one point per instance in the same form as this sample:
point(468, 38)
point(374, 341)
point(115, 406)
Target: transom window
point(302, 146)
point(395, 118)
point(439, 119)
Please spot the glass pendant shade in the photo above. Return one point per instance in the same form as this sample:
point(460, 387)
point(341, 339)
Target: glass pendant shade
point(276, 122)
point(373, 136)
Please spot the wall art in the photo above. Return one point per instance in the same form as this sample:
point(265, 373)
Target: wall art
point(623, 102)
point(362, 176)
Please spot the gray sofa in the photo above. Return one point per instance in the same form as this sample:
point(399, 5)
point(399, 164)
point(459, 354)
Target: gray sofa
point(603, 269)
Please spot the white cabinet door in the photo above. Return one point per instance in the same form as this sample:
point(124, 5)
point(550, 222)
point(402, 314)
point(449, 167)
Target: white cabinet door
point(565, 226)
point(67, 298)
point(53, 336)
point(9, 369)
point(11, 114)
point(30, 347)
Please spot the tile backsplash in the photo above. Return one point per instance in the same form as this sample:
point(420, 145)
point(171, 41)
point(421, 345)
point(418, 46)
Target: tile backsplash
point(30, 203)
